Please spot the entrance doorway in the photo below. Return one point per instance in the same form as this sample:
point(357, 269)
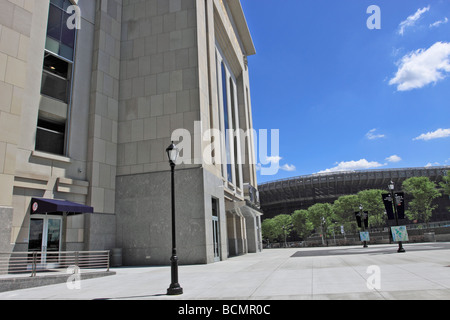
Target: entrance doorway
point(216, 229)
point(45, 235)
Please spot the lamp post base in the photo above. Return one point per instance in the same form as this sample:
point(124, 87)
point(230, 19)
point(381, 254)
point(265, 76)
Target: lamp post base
point(175, 290)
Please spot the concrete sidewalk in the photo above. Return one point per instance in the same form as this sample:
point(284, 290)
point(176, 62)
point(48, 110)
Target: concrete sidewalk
point(422, 272)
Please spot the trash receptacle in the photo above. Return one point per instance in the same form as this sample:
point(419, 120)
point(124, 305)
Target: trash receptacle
point(116, 257)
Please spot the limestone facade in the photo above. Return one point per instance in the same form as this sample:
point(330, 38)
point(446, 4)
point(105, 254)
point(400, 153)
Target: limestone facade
point(89, 123)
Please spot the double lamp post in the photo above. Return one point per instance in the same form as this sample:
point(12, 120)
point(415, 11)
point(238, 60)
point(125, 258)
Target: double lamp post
point(391, 187)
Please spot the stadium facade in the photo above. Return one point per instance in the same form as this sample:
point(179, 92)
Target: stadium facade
point(287, 195)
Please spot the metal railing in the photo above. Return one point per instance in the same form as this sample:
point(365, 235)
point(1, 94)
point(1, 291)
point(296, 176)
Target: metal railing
point(35, 263)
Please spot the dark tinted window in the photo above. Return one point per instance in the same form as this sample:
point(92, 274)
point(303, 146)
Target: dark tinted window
point(56, 78)
point(50, 136)
point(60, 38)
point(54, 23)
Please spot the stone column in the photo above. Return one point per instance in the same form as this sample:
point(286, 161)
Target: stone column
point(15, 31)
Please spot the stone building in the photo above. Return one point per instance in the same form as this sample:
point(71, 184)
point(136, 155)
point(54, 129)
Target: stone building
point(92, 93)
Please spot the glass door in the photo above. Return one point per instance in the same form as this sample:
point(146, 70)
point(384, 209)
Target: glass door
point(215, 230)
point(36, 234)
point(45, 236)
point(53, 234)
point(53, 239)
point(215, 226)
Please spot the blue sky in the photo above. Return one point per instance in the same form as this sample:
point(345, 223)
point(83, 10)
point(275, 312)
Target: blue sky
point(346, 97)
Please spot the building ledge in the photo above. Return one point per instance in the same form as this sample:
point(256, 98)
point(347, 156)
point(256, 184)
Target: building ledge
point(49, 156)
point(243, 30)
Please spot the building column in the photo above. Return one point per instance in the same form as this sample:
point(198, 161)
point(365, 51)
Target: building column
point(103, 124)
point(232, 234)
point(15, 22)
point(104, 106)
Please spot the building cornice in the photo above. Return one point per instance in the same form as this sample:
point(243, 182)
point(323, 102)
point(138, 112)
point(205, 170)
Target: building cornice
point(242, 26)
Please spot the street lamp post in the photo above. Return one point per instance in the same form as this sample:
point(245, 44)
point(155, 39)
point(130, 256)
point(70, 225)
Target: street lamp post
point(175, 288)
point(391, 187)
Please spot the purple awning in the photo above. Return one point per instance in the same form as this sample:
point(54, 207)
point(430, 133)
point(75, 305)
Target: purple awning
point(42, 206)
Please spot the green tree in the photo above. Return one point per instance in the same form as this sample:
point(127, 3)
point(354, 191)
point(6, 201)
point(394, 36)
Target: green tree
point(284, 226)
point(445, 184)
point(321, 216)
point(372, 202)
point(344, 209)
point(268, 229)
point(423, 192)
point(277, 228)
point(301, 223)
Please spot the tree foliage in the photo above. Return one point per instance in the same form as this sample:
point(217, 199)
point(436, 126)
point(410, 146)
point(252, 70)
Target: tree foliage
point(321, 216)
point(268, 230)
point(372, 202)
point(301, 223)
point(423, 192)
point(344, 209)
point(445, 184)
point(277, 228)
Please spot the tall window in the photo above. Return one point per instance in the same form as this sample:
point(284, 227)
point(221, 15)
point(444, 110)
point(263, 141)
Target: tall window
point(227, 123)
point(56, 80)
point(60, 39)
point(236, 127)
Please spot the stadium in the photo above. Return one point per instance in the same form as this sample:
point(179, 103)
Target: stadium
point(287, 195)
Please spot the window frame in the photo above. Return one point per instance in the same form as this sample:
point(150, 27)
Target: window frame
point(64, 12)
point(231, 170)
point(70, 86)
point(69, 79)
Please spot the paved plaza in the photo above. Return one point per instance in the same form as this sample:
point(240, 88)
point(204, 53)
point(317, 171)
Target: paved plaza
point(373, 273)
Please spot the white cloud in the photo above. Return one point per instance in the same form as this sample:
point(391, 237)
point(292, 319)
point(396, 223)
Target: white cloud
point(439, 133)
point(422, 67)
point(288, 167)
point(274, 162)
point(273, 159)
point(429, 164)
point(394, 158)
point(353, 165)
point(371, 135)
point(411, 20)
point(438, 23)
